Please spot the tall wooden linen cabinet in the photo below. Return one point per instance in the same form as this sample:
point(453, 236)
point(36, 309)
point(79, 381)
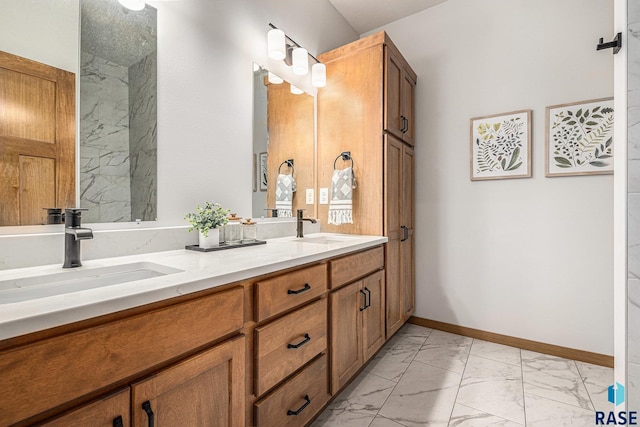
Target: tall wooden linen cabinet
point(367, 108)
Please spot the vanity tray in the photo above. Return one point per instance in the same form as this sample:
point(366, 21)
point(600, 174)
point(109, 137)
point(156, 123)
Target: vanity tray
point(224, 246)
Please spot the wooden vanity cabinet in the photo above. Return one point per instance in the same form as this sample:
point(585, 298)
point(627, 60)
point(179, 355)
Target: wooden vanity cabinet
point(357, 319)
point(204, 390)
point(399, 95)
point(110, 411)
point(367, 108)
point(399, 223)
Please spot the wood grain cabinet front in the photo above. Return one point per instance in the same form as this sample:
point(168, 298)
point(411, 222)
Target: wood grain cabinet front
point(286, 344)
point(281, 293)
point(109, 411)
point(43, 375)
point(354, 266)
point(357, 326)
point(296, 401)
point(204, 390)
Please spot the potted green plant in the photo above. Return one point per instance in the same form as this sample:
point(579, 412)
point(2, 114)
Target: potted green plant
point(208, 220)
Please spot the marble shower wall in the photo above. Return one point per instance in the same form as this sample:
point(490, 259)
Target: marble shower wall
point(143, 137)
point(105, 178)
point(633, 208)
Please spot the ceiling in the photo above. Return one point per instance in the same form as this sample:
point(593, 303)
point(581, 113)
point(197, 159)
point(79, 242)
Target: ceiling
point(365, 15)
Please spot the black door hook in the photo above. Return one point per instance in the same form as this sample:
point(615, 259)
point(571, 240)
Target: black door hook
point(616, 44)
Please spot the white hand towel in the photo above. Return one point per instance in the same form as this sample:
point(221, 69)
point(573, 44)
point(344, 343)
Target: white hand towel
point(340, 207)
point(285, 187)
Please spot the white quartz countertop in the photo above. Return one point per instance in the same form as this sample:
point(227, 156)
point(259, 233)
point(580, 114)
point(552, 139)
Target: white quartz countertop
point(198, 271)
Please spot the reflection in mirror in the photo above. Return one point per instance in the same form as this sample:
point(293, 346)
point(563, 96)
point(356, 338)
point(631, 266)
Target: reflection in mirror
point(118, 112)
point(283, 130)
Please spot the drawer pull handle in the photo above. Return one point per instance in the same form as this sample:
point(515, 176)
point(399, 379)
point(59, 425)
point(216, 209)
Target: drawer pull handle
point(302, 408)
point(306, 339)
point(365, 300)
point(117, 421)
point(146, 406)
point(299, 291)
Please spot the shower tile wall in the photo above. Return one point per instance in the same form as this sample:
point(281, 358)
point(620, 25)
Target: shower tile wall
point(142, 138)
point(633, 229)
point(105, 178)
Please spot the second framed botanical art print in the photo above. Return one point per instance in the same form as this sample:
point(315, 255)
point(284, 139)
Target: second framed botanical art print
point(501, 146)
point(579, 138)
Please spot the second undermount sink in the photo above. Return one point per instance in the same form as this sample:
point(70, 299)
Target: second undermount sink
point(325, 240)
point(68, 281)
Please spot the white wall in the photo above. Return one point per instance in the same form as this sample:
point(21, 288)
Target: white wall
point(531, 258)
point(42, 30)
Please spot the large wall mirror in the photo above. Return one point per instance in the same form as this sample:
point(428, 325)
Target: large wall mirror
point(114, 135)
point(283, 147)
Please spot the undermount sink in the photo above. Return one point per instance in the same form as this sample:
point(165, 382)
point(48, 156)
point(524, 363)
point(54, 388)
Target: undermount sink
point(68, 281)
point(325, 240)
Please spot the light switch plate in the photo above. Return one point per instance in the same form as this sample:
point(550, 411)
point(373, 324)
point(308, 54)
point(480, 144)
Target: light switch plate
point(309, 196)
point(324, 196)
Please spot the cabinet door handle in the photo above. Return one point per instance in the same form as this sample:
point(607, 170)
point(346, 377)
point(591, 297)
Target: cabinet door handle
point(299, 291)
point(306, 339)
point(406, 125)
point(402, 126)
point(369, 293)
point(405, 233)
point(365, 300)
point(302, 408)
point(117, 421)
point(146, 406)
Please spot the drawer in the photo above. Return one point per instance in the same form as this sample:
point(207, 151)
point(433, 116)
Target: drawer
point(281, 293)
point(296, 401)
point(81, 362)
point(286, 344)
point(352, 267)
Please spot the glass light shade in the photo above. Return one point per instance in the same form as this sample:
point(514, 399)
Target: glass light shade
point(319, 75)
point(276, 44)
point(133, 4)
point(275, 79)
point(296, 90)
point(300, 61)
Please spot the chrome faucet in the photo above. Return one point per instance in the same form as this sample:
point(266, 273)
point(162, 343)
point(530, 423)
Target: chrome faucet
point(300, 220)
point(73, 233)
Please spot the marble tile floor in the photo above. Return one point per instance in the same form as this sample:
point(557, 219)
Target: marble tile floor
point(426, 377)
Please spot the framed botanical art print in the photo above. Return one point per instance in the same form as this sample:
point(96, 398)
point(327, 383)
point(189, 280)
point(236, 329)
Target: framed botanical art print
point(579, 138)
point(501, 146)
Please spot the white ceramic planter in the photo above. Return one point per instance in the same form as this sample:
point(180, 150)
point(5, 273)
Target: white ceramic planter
point(212, 240)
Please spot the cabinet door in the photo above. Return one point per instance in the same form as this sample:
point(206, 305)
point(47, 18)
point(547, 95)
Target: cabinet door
point(407, 281)
point(373, 332)
point(393, 83)
point(207, 389)
point(110, 411)
point(407, 107)
point(394, 216)
point(346, 334)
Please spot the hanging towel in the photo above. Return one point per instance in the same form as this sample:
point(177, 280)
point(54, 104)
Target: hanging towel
point(340, 208)
point(285, 187)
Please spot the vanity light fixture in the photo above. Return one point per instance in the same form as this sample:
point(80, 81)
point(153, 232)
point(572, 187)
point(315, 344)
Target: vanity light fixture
point(319, 75)
point(276, 43)
point(296, 90)
point(282, 47)
point(274, 78)
point(300, 61)
point(133, 4)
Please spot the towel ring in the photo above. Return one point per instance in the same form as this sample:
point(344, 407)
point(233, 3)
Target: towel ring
point(289, 163)
point(346, 155)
